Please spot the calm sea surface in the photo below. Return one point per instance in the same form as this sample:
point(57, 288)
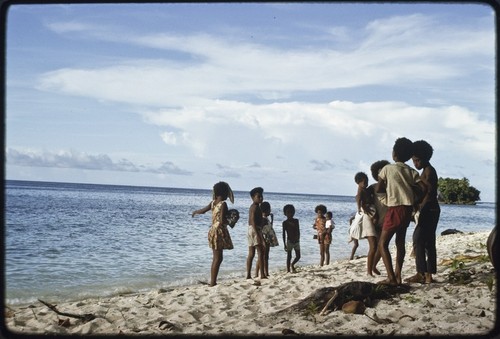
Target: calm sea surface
point(69, 241)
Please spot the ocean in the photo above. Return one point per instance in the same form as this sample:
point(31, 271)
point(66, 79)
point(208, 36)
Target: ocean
point(68, 241)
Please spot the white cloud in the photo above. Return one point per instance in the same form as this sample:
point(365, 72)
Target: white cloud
point(81, 160)
point(401, 51)
point(229, 107)
point(334, 122)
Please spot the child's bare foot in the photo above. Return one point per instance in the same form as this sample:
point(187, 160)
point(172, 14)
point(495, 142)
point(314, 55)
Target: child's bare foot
point(417, 278)
point(377, 272)
point(428, 278)
point(249, 277)
point(387, 282)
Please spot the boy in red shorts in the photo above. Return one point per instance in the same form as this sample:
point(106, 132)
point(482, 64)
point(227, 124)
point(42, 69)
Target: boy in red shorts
point(398, 181)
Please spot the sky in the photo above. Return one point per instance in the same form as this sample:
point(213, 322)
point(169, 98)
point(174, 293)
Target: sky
point(292, 97)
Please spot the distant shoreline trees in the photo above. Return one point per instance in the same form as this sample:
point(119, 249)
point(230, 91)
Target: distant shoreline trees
point(457, 191)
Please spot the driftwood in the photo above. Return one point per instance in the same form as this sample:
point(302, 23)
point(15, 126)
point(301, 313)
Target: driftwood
point(333, 298)
point(85, 317)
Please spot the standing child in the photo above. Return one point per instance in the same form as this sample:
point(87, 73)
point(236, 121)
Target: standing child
point(323, 240)
point(380, 206)
point(218, 234)
point(397, 180)
point(291, 237)
point(268, 234)
point(365, 199)
point(329, 226)
point(424, 236)
point(254, 235)
point(354, 232)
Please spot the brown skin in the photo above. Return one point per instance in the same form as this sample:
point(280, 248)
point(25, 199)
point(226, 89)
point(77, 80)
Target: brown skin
point(254, 217)
point(291, 229)
point(266, 250)
point(363, 199)
point(393, 276)
point(323, 248)
point(430, 180)
point(217, 254)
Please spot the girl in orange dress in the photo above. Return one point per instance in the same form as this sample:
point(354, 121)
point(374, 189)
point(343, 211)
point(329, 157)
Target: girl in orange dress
point(324, 239)
point(219, 238)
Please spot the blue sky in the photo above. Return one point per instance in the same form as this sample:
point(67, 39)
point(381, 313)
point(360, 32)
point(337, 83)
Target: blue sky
point(291, 97)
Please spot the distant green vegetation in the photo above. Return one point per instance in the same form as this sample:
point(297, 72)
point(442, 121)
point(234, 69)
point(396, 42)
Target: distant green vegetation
point(457, 191)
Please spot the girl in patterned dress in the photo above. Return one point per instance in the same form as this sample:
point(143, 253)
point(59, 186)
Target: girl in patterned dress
point(270, 238)
point(218, 234)
point(323, 240)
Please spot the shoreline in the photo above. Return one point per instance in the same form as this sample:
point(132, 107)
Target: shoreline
point(238, 306)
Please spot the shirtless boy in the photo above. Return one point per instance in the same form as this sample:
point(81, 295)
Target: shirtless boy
point(291, 237)
point(424, 236)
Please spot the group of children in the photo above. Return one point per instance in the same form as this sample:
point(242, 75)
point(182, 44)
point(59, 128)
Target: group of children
point(385, 209)
point(261, 235)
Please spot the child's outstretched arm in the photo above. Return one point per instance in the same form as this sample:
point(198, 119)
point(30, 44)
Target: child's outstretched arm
point(202, 210)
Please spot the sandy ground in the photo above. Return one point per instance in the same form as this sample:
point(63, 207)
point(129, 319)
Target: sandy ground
point(462, 301)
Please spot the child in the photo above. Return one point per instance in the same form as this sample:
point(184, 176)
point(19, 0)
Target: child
point(218, 234)
point(424, 236)
point(365, 199)
point(291, 237)
point(397, 180)
point(269, 236)
point(329, 226)
point(254, 235)
point(354, 232)
point(380, 206)
point(323, 240)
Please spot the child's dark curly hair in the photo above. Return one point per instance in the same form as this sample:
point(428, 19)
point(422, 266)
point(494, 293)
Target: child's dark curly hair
point(403, 149)
point(360, 176)
point(289, 207)
point(376, 167)
point(422, 150)
point(265, 207)
point(256, 190)
point(321, 208)
point(221, 189)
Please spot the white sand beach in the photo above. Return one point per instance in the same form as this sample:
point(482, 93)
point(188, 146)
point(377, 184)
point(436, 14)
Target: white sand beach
point(250, 307)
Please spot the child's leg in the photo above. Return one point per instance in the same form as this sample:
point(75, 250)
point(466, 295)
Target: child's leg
point(260, 258)
point(216, 262)
point(266, 257)
point(400, 251)
point(376, 259)
point(372, 243)
point(297, 258)
point(251, 255)
point(288, 260)
point(383, 246)
point(322, 253)
point(355, 245)
point(327, 254)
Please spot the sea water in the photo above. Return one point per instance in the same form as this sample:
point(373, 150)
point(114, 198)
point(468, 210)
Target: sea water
point(66, 241)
